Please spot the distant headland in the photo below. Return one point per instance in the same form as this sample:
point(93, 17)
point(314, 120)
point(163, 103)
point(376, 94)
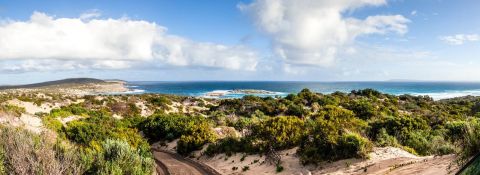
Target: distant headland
point(78, 86)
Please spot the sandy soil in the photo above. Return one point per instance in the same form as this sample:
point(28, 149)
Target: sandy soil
point(32, 123)
point(31, 108)
point(145, 111)
point(27, 121)
point(387, 160)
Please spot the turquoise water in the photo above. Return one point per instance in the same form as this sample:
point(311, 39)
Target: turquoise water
point(437, 90)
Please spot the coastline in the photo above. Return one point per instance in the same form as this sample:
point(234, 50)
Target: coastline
point(217, 90)
point(226, 89)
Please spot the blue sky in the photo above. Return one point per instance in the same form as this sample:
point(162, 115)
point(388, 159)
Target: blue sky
point(307, 40)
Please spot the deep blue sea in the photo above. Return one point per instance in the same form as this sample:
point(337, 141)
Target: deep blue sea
point(224, 89)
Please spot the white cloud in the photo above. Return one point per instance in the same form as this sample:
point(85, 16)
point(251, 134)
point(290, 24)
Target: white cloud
point(90, 42)
point(413, 13)
point(95, 13)
point(314, 32)
point(460, 39)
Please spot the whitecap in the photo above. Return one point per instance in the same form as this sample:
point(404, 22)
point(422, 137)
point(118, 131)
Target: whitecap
point(450, 94)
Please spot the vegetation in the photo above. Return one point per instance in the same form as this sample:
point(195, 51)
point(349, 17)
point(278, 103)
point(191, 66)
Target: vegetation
point(11, 110)
point(118, 157)
point(325, 127)
point(22, 152)
point(193, 132)
point(341, 125)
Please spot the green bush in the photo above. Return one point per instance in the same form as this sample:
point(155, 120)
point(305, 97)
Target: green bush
point(100, 128)
point(440, 146)
point(161, 101)
point(353, 144)
point(193, 132)
point(383, 139)
point(52, 123)
point(189, 143)
point(65, 111)
point(419, 141)
point(167, 127)
point(456, 130)
point(117, 157)
point(470, 142)
point(363, 109)
point(241, 123)
point(341, 118)
point(279, 168)
point(230, 146)
point(296, 110)
point(280, 132)
point(399, 126)
point(331, 140)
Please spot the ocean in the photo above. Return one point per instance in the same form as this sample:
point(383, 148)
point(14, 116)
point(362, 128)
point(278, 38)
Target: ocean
point(238, 89)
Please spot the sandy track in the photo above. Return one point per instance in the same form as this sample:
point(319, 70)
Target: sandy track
point(408, 166)
point(432, 166)
point(173, 164)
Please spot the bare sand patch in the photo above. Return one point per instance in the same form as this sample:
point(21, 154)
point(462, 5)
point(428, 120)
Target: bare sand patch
point(388, 160)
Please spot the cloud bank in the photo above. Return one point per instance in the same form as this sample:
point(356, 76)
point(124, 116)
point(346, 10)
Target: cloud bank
point(314, 32)
point(45, 42)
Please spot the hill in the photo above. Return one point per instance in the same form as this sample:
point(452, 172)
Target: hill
point(69, 81)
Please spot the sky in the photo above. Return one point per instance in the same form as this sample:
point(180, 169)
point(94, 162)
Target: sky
point(260, 40)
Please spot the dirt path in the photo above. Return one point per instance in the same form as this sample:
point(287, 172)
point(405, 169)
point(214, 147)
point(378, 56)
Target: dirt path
point(173, 164)
point(433, 166)
point(409, 166)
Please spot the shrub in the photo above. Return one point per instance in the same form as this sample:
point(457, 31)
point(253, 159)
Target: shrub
point(117, 157)
point(363, 109)
point(22, 152)
point(242, 123)
point(442, 147)
point(100, 128)
point(124, 109)
point(329, 141)
point(383, 139)
point(470, 142)
point(419, 141)
point(196, 135)
point(280, 132)
point(279, 168)
point(173, 126)
point(160, 101)
point(296, 110)
point(352, 144)
point(455, 130)
point(245, 168)
point(397, 126)
point(189, 143)
point(367, 93)
point(231, 145)
point(65, 111)
point(342, 119)
point(12, 110)
point(52, 123)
